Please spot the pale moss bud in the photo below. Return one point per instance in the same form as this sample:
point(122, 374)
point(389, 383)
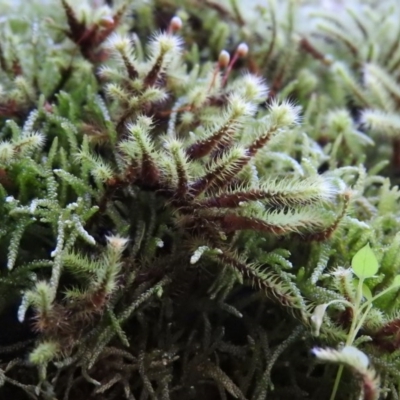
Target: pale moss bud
point(242, 50)
point(284, 113)
point(44, 352)
point(224, 59)
point(239, 107)
point(105, 72)
point(175, 24)
point(117, 243)
point(339, 121)
point(144, 122)
point(173, 144)
point(41, 297)
point(107, 21)
point(187, 118)
point(342, 272)
point(165, 43)
point(121, 43)
point(253, 88)
point(6, 152)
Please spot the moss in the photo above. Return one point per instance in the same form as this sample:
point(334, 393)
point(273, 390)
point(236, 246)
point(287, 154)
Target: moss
point(183, 187)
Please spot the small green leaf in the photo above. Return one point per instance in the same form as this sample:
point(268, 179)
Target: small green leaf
point(396, 281)
point(364, 263)
point(366, 291)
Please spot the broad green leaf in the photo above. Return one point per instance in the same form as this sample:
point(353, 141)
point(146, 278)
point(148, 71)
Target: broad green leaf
point(364, 263)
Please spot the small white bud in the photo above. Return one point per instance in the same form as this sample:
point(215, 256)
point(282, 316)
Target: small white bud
point(175, 24)
point(223, 59)
point(117, 243)
point(242, 50)
point(107, 21)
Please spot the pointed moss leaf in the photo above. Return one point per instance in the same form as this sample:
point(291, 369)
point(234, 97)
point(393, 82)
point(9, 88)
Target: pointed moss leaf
point(364, 263)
